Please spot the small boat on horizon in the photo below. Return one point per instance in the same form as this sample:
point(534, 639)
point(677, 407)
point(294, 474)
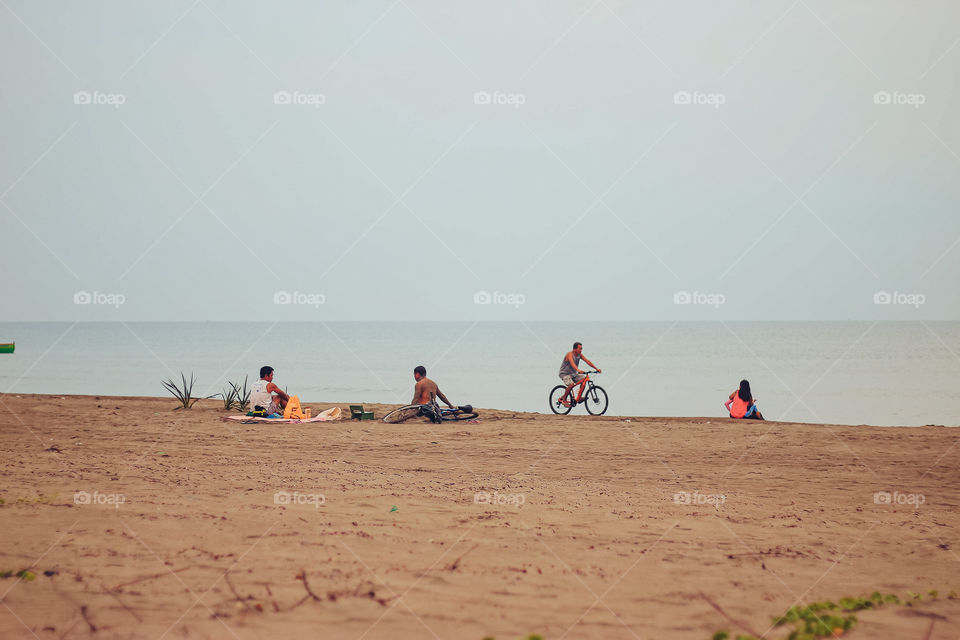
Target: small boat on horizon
point(7, 347)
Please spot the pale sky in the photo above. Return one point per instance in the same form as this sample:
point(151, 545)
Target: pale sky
point(575, 160)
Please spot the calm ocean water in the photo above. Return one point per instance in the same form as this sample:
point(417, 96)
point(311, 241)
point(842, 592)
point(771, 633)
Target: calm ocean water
point(845, 373)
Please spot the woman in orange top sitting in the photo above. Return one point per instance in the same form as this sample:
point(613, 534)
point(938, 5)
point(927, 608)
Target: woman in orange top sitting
point(741, 404)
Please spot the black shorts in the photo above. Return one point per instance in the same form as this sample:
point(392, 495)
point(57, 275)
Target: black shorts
point(431, 411)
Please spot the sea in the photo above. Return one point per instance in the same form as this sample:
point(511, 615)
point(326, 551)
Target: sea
point(852, 373)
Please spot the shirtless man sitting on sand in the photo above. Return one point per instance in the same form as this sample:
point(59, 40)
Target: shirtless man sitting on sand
point(426, 393)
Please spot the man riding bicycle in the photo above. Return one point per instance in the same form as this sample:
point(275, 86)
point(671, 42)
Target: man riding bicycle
point(570, 372)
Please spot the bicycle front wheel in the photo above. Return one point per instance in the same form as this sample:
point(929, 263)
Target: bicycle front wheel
point(401, 414)
point(596, 401)
point(555, 405)
point(458, 415)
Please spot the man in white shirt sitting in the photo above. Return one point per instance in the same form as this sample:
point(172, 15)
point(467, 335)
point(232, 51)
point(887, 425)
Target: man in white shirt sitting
point(265, 394)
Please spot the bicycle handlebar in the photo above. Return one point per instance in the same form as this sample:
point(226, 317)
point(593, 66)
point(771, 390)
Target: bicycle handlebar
point(589, 372)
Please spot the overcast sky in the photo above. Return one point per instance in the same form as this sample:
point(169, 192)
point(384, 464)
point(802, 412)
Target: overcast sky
point(495, 160)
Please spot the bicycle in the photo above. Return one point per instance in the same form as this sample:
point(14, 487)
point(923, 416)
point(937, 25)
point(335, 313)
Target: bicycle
point(589, 394)
point(464, 412)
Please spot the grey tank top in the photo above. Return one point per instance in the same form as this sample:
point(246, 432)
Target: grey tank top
point(566, 369)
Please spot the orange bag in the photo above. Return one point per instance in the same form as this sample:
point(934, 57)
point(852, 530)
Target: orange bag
point(293, 411)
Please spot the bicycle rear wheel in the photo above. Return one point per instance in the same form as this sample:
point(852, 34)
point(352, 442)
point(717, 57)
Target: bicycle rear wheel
point(401, 414)
point(555, 394)
point(596, 401)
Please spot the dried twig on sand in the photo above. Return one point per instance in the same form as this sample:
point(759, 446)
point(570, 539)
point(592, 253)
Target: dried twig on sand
point(302, 577)
point(727, 616)
point(453, 566)
point(124, 605)
point(83, 612)
point(226, 577)
point(145, 578)
point(363, 590)
point(69, 629)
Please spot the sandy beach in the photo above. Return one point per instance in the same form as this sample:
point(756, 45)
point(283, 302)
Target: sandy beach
point(137, 521)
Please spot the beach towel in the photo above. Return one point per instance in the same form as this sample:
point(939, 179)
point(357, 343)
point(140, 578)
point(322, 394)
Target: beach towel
point(324, 416)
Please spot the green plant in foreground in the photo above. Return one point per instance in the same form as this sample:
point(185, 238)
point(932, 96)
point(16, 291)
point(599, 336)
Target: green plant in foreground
point(829, 619)
point(184, 393)
point(41, 499)
point(24, 574)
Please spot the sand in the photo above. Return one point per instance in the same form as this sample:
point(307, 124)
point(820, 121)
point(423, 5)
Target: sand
point(143, 522)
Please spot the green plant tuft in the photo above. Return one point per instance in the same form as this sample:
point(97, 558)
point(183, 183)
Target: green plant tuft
point(184, 392)
point(229, 396)
point(236, 396)
point(241, 395)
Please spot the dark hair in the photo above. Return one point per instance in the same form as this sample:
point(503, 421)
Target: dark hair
point(265, 371)
point(577, 344)
point(422, 370)
point(744, 391)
